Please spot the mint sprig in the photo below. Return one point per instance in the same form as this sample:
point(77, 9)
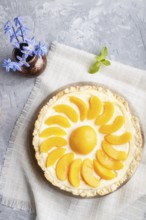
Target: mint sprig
point(100, 59)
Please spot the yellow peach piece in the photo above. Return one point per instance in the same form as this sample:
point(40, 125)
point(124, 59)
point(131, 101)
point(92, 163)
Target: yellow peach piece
point(59, 120)
point(83, 139)
point(108, 162)
point(62, 167)
point(119, 139)
point(52, 142)
point(52, 131)
point(103, 172)
point(74, 172)
point(67, 110)
point(112, 152)
point(87, 174)
point(81, 106)
point(94, 108)
point(108, 111)
point(54, 156)
point(111, 128)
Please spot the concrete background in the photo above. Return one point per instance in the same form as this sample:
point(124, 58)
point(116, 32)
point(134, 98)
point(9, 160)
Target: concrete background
point(89, 25)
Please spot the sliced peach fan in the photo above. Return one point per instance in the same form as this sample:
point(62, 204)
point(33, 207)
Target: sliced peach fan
point(51, 142)
point(62, 167)
point(52, 131)
point(107, 161)
point(111, 128)
point(58, 120)
point(108, 111)
point(67, 110)
point(74, 172)
point(81, 106)
point(94, 108)
point(83, 140)
point(54, 155)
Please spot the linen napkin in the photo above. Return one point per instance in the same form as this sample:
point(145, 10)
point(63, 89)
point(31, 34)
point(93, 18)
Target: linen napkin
point(22, 184)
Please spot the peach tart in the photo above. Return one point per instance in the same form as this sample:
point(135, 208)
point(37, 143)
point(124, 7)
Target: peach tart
point(86, 140)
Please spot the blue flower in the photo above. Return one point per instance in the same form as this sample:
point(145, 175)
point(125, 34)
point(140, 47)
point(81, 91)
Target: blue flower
point(9, 29)
point(29, 50)
point(7, 64)
point(22, 60)
point(40, 50)
point(16, 66)
point(19, 21)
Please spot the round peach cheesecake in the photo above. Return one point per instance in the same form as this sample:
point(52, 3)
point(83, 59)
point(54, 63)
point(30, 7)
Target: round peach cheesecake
point(86, 140)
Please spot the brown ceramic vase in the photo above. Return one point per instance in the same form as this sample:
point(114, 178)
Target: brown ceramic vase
point(37, 65)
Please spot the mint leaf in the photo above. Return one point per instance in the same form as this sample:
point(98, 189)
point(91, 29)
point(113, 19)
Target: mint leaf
point(103, 53)
point(106, 62)
point(95, 68)
point(100, 59)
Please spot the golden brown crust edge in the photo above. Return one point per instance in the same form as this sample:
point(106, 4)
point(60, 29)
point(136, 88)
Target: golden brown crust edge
point(89, 192)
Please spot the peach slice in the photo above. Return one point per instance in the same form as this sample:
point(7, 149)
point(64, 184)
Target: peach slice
point(111, 128)
point(112, 152)
point(67, 110)
point(87, 173)
point(119, 139)
point(74, 172)
point(81, 106)
point(103, 172)
point(95, 107)
point(107, 114)
point(52, 131)
point(54, 156)
point(62, 167)
point(108, 162)
point(58, 119)
point(52, 142)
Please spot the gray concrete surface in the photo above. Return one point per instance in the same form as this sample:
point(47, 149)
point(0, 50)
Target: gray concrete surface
point(85, 24)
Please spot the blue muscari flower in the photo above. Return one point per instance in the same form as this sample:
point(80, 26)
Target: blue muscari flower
point(22, 60)
point(8, 65)
point(40, 50)
point(16, 66)
point(18, 21)
point(29, 50)
point(9, 29)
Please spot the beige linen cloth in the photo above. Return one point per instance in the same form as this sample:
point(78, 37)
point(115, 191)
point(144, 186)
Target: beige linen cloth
point(22, 184)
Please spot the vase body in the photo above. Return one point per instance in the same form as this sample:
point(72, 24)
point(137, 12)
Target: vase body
point(37, 65)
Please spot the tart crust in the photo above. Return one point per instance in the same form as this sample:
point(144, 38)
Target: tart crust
point(95, 191)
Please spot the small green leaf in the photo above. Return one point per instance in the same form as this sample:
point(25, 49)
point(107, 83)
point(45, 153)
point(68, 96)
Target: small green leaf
point(106, 62)
point(98, 58)
point(95, 68)
point(103, 52)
